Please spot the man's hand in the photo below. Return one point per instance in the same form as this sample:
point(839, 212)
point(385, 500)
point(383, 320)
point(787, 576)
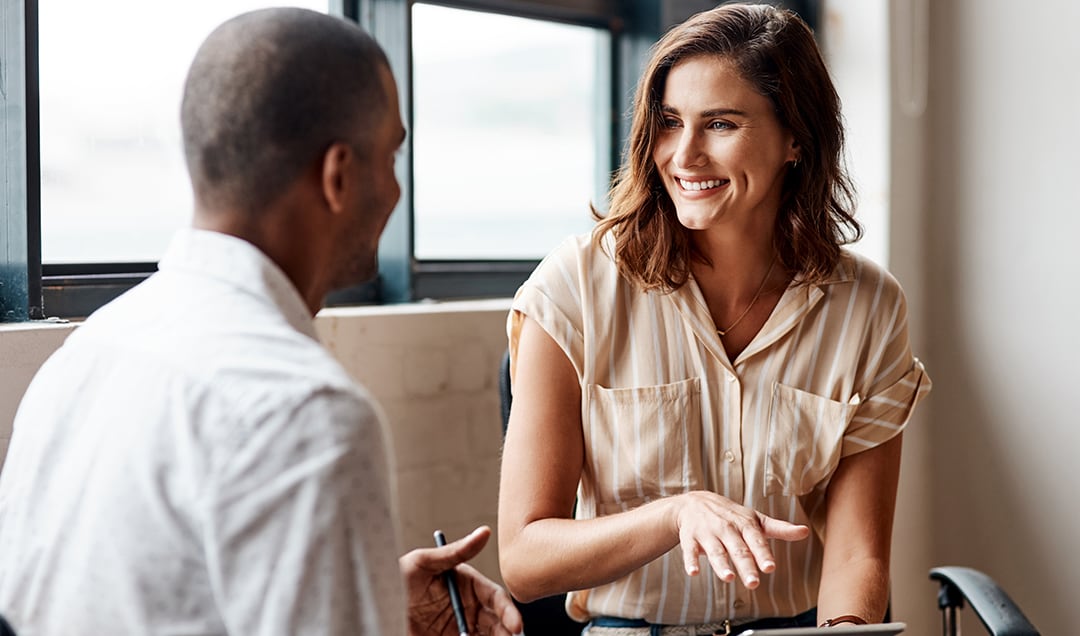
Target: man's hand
point(488, 608)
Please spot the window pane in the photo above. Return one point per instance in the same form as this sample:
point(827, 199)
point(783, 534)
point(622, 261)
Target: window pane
point(857, 51)
point(511, 132)
point(113, 183)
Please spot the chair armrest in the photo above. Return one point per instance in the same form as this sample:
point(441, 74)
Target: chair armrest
point(998, 613)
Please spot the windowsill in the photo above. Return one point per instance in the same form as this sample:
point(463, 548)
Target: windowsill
point(425, 307)
point(37, 325)
point(419, 307)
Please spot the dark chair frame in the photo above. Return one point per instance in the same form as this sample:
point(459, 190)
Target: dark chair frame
point(998, 613)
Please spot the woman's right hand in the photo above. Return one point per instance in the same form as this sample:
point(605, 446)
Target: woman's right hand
point(733, 537)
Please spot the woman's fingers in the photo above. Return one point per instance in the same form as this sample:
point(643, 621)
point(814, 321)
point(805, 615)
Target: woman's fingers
point(690, 552)
point(742, 556)
point(777, 529)
point(719, 559)
point(759, 548)
point(734, 539)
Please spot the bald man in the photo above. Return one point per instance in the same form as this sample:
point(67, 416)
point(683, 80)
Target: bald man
point(192, 461)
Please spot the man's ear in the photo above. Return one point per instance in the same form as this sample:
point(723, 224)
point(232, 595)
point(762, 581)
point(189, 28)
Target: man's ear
point(336, 162)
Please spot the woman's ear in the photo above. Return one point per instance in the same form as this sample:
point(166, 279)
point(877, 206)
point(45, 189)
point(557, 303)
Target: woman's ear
point(794, 152)
point(336, 162)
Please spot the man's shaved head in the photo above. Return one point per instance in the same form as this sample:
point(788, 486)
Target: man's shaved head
point(268, 92)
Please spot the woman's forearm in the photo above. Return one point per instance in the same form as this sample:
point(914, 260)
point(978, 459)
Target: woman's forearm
point(858, 587)
point(860, 505)
point(551, 556)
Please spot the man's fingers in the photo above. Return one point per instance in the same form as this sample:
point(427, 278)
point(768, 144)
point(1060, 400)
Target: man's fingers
point(447, 557)
point(489, 623)
point(492, 598)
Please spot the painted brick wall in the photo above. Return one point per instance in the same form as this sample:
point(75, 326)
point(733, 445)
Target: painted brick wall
point(432, 367)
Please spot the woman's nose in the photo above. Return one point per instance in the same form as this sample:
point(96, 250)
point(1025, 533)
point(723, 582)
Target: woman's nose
point(689, 152)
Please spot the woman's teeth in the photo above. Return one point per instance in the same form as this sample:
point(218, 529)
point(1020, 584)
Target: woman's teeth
point(700, 185)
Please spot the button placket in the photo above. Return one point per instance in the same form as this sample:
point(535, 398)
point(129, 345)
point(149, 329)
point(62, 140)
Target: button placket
point(733, 438)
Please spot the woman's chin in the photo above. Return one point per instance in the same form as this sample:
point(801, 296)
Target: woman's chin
point(696, 221)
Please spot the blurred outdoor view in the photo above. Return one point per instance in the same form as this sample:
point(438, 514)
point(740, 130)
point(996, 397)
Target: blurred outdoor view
point(505, 130)
point(509, 136)
point(511, 127)
point(113, 183)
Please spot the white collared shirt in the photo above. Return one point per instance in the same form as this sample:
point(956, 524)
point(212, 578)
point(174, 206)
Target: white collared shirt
point(192, 461)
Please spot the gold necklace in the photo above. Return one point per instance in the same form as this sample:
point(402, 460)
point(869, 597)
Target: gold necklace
point(723, 332)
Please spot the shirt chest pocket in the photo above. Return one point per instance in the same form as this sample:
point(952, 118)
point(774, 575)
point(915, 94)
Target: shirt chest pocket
point(643, 442)
point(805, 437)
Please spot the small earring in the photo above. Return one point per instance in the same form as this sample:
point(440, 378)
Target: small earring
point(795, 163)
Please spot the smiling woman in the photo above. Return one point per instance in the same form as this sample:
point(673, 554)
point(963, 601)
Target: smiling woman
point(712, 374)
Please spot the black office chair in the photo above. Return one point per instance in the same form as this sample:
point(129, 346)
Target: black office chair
point(998, 613)
point(546, 616)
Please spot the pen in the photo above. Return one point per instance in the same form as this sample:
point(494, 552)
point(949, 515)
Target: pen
point(451, 584)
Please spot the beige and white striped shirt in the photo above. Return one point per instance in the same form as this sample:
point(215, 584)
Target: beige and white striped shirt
point(664, 412)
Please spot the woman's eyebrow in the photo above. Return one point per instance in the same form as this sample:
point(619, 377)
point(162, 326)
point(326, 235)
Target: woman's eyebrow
point(712, 112)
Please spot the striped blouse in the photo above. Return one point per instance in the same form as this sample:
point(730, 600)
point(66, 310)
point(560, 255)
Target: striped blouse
point(664, 411)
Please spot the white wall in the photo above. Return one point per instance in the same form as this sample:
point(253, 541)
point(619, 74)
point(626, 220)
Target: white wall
point(433, 368)
point(1002, 303)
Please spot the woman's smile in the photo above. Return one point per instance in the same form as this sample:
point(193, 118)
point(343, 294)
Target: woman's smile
point(699, 185)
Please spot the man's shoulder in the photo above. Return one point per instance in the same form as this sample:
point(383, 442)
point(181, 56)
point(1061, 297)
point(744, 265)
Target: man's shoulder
point(249, 355)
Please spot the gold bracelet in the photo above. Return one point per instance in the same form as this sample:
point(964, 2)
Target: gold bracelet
point(846, 618)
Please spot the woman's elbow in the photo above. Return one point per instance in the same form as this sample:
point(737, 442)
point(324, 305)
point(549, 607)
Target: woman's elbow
point(514, 564)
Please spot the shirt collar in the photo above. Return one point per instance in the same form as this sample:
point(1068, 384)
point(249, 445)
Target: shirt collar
point(844, 272)
point(240, 264)
point(797, 300)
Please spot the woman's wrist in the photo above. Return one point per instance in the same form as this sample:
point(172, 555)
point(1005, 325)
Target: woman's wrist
point(846, 618)
point(668, 509)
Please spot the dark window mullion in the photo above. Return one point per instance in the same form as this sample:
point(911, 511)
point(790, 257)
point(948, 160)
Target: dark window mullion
point(35, 296)
point(14, 255)
point(389, 22)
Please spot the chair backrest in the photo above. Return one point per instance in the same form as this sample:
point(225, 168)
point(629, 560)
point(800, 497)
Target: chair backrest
point(997, 611)
point(505, 397)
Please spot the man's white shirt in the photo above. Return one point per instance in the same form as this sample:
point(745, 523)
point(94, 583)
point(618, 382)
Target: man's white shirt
point(192, 461)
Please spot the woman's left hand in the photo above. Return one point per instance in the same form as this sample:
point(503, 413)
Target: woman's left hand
point(733, 537)
point(488, 607)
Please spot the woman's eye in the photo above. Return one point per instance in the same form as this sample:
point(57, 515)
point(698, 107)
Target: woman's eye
point(670, 122)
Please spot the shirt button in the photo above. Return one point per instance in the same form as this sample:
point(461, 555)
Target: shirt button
point(730, 378)
point(739, 603)
point(729, 456)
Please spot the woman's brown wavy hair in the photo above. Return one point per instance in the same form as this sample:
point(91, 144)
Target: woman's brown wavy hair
point(774, 50)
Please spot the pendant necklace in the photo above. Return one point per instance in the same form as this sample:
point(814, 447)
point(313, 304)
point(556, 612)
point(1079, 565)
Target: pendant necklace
point(757, 294)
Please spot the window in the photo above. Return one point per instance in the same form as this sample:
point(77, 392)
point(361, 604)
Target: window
point(855, 44)
point(511, 132)
point(95, 182)
point(113, 183)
